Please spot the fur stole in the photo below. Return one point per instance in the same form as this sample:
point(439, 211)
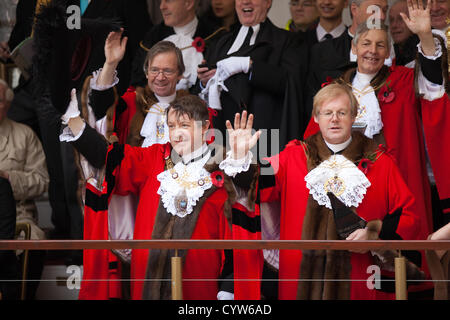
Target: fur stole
point(319, 225)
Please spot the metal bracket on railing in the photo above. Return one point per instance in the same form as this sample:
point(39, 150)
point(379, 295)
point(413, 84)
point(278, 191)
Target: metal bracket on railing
point(177, 277)
point(400, 277)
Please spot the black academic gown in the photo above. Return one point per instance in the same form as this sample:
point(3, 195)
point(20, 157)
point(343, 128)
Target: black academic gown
point(155, 34)
point(63, 59)
point(272, 90)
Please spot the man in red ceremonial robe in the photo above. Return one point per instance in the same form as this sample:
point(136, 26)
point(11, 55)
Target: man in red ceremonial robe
point(389, 103)
point(185, 193)
point(363, 177)
point(137, 118)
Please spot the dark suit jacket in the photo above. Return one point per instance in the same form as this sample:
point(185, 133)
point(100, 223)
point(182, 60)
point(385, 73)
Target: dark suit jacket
point(272, 90)
point(329, 58)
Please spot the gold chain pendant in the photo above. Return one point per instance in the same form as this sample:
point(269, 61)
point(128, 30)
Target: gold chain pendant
point(335, 185)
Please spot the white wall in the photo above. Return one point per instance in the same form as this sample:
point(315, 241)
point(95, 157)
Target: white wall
point(279, 13)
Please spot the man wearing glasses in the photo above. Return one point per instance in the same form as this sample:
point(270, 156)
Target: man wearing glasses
point(316, 179)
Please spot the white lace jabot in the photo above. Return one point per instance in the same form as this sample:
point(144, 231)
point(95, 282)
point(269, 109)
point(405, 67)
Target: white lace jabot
point(183, 185)
point(155, 129)
point(340, 176)
point(369, 112)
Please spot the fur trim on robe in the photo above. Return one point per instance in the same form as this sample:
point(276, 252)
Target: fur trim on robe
point(319, 225)
point(168, 226)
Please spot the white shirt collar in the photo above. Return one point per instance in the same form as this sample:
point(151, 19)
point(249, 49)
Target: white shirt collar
point(350, 34)
point(240, 38)
point(336, 32)
point(196, 153)
point(167, 99)
point(187, 29)
point(340, 146)
point(364, 78)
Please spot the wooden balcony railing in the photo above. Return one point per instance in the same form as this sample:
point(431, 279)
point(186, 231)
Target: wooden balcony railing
point(398, 245)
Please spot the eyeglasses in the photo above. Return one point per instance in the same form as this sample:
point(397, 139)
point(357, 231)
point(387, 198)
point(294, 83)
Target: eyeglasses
point(329, 114)
point(306, 3)
point(166, 72)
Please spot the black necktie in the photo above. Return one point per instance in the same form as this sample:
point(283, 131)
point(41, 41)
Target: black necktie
point(248, 37)
point(328, 36)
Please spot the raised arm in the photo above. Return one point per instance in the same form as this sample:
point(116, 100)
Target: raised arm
point(419, 22)
point(115, 47)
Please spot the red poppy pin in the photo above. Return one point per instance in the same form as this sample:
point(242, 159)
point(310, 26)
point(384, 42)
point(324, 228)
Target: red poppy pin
point(328, 81)
point(386, 94)
point(294, 142)
point(199, 44)
point(217, 178)
point(382, 148)
point(364, 165)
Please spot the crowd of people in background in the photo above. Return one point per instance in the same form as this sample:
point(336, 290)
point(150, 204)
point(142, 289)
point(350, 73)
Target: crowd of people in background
point(138, 125)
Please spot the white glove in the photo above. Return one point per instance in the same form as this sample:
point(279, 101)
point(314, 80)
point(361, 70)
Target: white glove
point(225, 69)
point(211, 93)
point(72, 110)
point(225, 295)
point(231, 66)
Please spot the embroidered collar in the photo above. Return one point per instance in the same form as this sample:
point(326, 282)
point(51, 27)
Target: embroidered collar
point(340, 176)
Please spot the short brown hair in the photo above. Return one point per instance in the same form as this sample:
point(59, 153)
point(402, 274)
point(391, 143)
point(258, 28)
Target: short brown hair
point(332, 91)
point(164, 47)
point(190, 105)
point(363, 28)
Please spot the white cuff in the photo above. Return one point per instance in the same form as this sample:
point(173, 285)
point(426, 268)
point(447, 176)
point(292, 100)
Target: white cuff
point(430, 91)
point(95, 86)
point(232, 167)
point(67, 135)
point(437, 53)
point(224, 295)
